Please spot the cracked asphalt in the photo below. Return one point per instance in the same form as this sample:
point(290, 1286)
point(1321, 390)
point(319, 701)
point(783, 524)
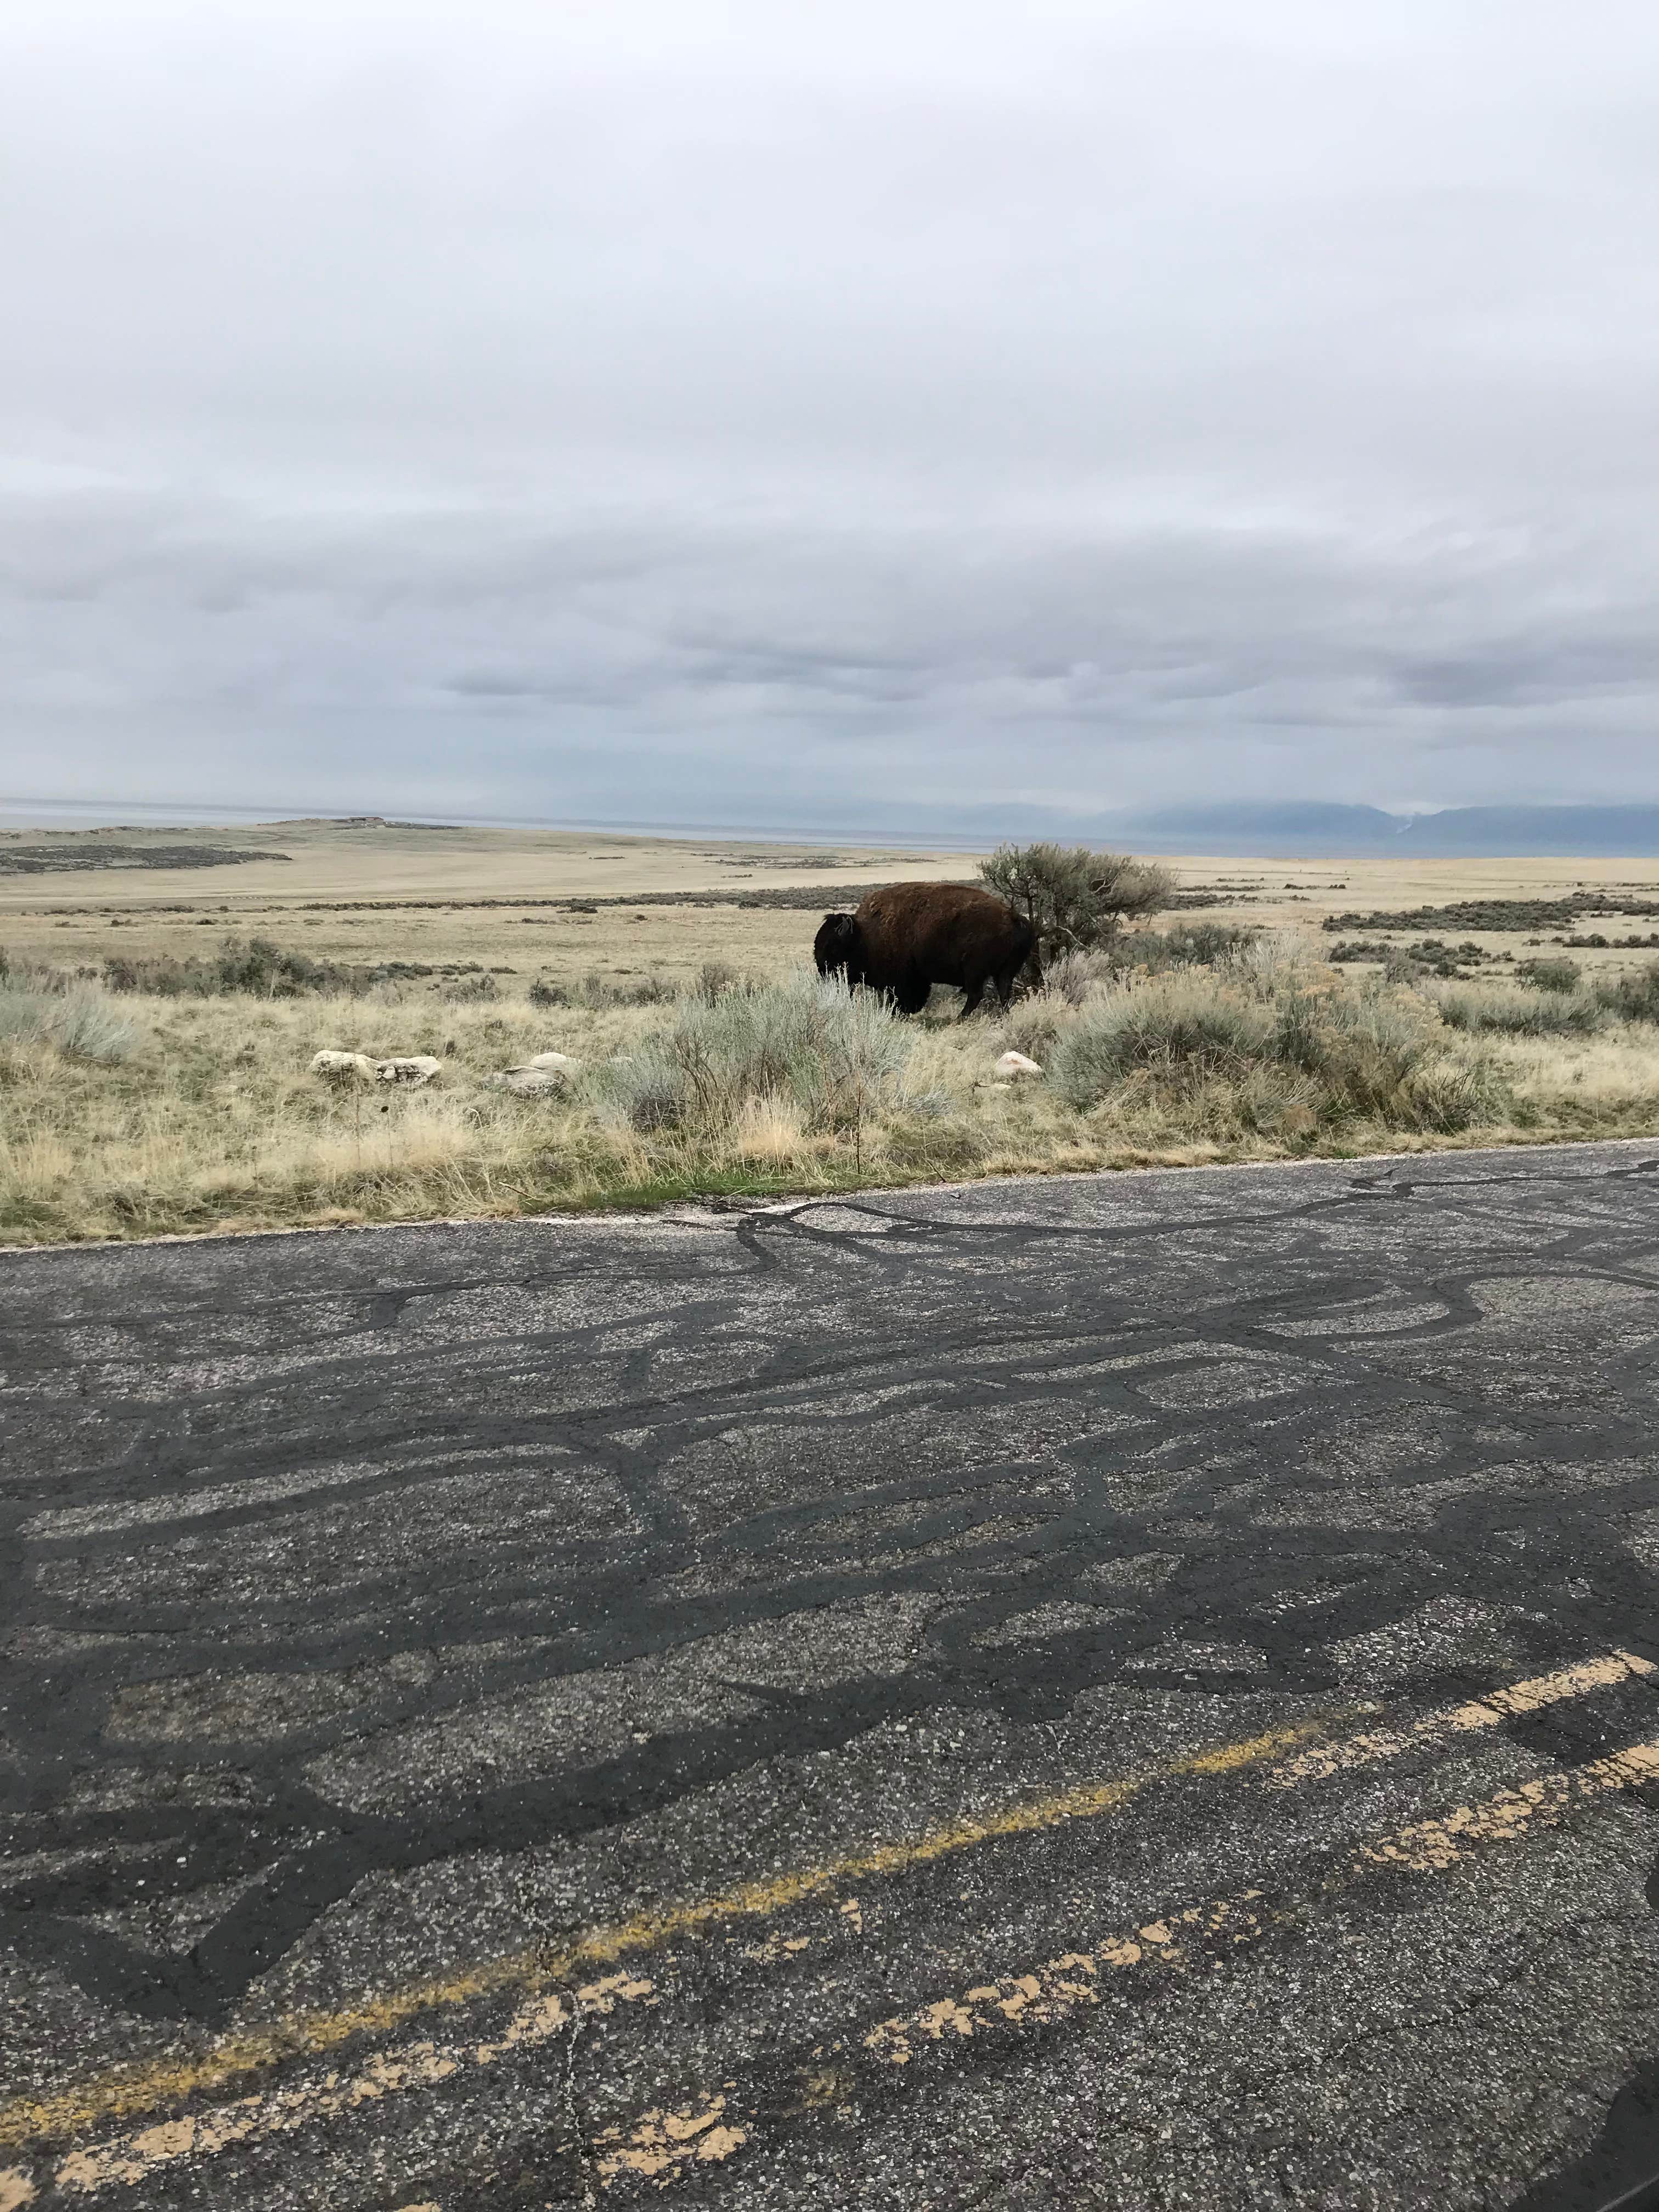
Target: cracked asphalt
point(1129, 1692)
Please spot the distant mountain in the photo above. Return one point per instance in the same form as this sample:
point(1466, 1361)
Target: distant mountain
point(1299, 830)
point(1568, 832)
point(1302, 829)
point(1309, 830)
point(1290, 829)
point(1306, 826)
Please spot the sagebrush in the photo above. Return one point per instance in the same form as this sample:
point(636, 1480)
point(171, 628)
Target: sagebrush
point(1074, 898)
point(193, 1110)
point(836, 1056)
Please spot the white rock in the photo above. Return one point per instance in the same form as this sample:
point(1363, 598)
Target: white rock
point(1014, 1064)
point(413, 1069)
point(543, 1073)
point(344, 1066)
point(531, 1082)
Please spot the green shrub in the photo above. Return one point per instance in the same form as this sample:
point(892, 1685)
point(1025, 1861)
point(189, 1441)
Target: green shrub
point(838, 1055)
point(597, 994)
point(1164, 1023)
point(1559, 976)
point(1072, 898)
point(1515, 1013)
point(715, 979)
point(1633, 997)
point(469, 990)
point(1265, 1042)
point(254, 966)
point(81, 1022)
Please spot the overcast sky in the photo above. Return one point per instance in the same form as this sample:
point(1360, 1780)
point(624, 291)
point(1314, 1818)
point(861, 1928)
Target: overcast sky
point(659, 409)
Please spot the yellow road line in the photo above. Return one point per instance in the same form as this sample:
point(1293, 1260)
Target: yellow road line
point(134, 2157)
point(124, 2092)
point(1181, 1941)
point(1371, 1747)
point(663, 2145)
point(1063, 1985)
point(1427, 1846)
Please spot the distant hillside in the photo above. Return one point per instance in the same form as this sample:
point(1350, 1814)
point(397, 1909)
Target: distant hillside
point(1288, 828)
point(1454, 832)
point(1308, 826)
point(1566, 830)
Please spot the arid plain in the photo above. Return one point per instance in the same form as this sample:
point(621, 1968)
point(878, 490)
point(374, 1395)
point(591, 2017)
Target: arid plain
point(363, 893)
point(484, 947)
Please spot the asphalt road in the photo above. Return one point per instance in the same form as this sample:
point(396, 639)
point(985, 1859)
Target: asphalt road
point(1138, 1691)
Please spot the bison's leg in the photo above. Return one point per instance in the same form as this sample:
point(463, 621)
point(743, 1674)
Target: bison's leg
point(972, 992)
point(912, 992)
point(1005, 983)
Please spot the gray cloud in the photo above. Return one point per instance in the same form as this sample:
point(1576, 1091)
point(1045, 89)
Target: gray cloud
point(737, 410)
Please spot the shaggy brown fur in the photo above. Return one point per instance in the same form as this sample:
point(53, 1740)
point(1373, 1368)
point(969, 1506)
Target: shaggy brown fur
point(907, 937)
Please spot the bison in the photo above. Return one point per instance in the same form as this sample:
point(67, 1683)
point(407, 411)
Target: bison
point(907, 937)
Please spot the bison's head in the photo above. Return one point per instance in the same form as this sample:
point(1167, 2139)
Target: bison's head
point(837, 948)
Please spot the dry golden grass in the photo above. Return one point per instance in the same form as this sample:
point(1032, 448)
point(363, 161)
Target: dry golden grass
point(214, 1123)
point(367, 895)
point(435, 896)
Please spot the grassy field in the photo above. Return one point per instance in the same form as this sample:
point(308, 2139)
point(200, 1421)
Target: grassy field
point(146, 1110)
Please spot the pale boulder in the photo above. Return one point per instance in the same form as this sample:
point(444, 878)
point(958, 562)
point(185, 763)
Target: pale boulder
point(411, 1069)
point(1013, 1067)
point(344, 1066)
point(544, 1074)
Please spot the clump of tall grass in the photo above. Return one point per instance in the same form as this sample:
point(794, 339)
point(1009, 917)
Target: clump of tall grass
point(256, 968)
point(80, 1022)
point(1252, 961)
point(1273, 1037)
point(597, 994)
point(1198, 1027)
point(1034, 1023)
point(1075, 974)
point(835, 1056)
point(716, 979)
point(1633, 998)
point(1549, 1012)
point(1548, 975)
point(470, 990)
point(1188, 944)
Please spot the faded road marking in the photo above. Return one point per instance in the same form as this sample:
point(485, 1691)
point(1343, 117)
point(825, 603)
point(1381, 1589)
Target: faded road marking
point(1065, 1985)
point(663, 2144)
point(1424, 1846)
point(1203, 1935)
point(1375, 1745)
point(1427, 1846)
point(1062, 1984)
point(666, 2143)
point(134, 2157)
point(126, 2091)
